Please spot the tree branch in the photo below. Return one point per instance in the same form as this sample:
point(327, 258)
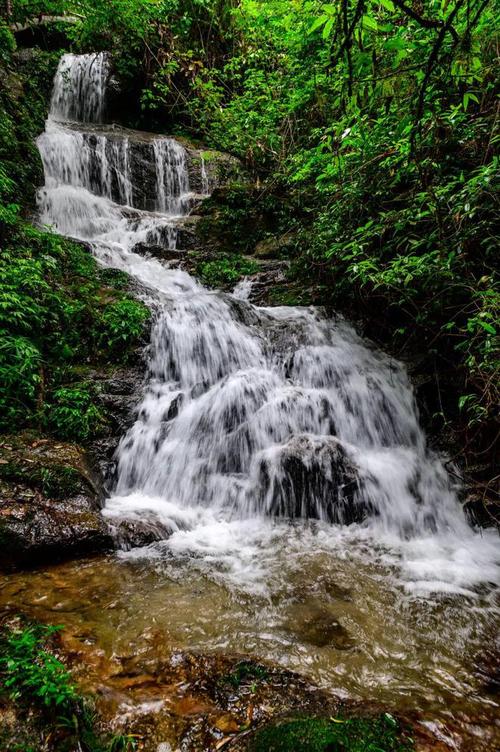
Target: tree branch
point(427, 23)
point(433, 57)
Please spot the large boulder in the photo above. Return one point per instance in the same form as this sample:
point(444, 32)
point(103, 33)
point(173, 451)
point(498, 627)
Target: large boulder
point(49, 502)
point(310, 477)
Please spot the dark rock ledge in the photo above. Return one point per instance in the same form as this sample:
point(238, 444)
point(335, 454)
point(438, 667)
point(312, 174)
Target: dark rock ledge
point(49, 502)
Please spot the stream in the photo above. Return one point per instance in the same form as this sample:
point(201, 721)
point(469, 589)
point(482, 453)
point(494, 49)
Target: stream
point(292, 507)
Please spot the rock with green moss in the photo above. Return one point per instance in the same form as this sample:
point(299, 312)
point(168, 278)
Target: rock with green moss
point(49, 502)
point(209, 169)
point(274, 246)
point(379, 734)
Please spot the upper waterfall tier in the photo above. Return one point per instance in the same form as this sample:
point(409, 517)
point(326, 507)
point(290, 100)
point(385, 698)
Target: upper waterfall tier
point(146, 171)
point(80, 88)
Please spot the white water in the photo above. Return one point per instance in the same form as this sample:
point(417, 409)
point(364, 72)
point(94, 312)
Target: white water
point(79, 88)
point(251, 416)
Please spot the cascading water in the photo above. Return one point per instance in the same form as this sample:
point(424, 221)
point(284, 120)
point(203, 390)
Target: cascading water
point(79, 88)
point(172, 180)
point(249, 414)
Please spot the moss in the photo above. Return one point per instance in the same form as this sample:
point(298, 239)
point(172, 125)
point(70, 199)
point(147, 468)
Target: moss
point(56, 470)
point(56, 481)
point(382, 734)
point(210, 155)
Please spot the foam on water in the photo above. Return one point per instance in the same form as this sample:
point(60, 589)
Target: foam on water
point(251, 416)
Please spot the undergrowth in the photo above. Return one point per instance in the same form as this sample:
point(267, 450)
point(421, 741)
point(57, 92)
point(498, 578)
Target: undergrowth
point(55, 313)
point(46, 698)
point(226, 270)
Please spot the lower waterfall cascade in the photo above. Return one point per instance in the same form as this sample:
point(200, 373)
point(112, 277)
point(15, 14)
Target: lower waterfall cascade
point(250, 417)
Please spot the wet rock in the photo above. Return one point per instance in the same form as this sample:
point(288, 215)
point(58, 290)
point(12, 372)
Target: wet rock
point(206, 169)
point(49, 502)
point(158, 251)
point(120, 390)
point(318, 627)
point(273, 247)
point(308, 477)
point(187, 237)
point(137, 533)
point(271, 275)
point(209, 699)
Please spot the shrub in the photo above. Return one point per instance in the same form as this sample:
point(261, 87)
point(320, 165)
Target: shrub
point(72, 413)
point(226, 270)
point(121, 325)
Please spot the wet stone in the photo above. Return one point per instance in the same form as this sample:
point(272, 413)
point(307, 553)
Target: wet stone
point(49, 502)
point(311, 478)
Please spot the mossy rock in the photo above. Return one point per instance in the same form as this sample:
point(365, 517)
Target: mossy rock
point(274, 246)
point(379, 734)
point(49, 502)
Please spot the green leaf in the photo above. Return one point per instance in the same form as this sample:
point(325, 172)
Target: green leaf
point(369, 23)
point(328, 29)
point(469, 96)
point(487, 327)
point(321, 21)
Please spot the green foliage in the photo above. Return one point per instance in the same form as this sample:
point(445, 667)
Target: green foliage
point(7, 42)
point(121, 325)
point(225, 271)
point(32, 674)
point(382, 734)
point(54, 310)
point(72, 413)
point(245, 672)
point(115, 278)
point(20, 375)
point(122, 743)
point(42, 688)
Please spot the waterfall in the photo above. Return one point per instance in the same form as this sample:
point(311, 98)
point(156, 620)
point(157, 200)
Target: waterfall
point(92, 171)
point(172, 179)
point(79, 86)
point(248, 413)
point(205, 182)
